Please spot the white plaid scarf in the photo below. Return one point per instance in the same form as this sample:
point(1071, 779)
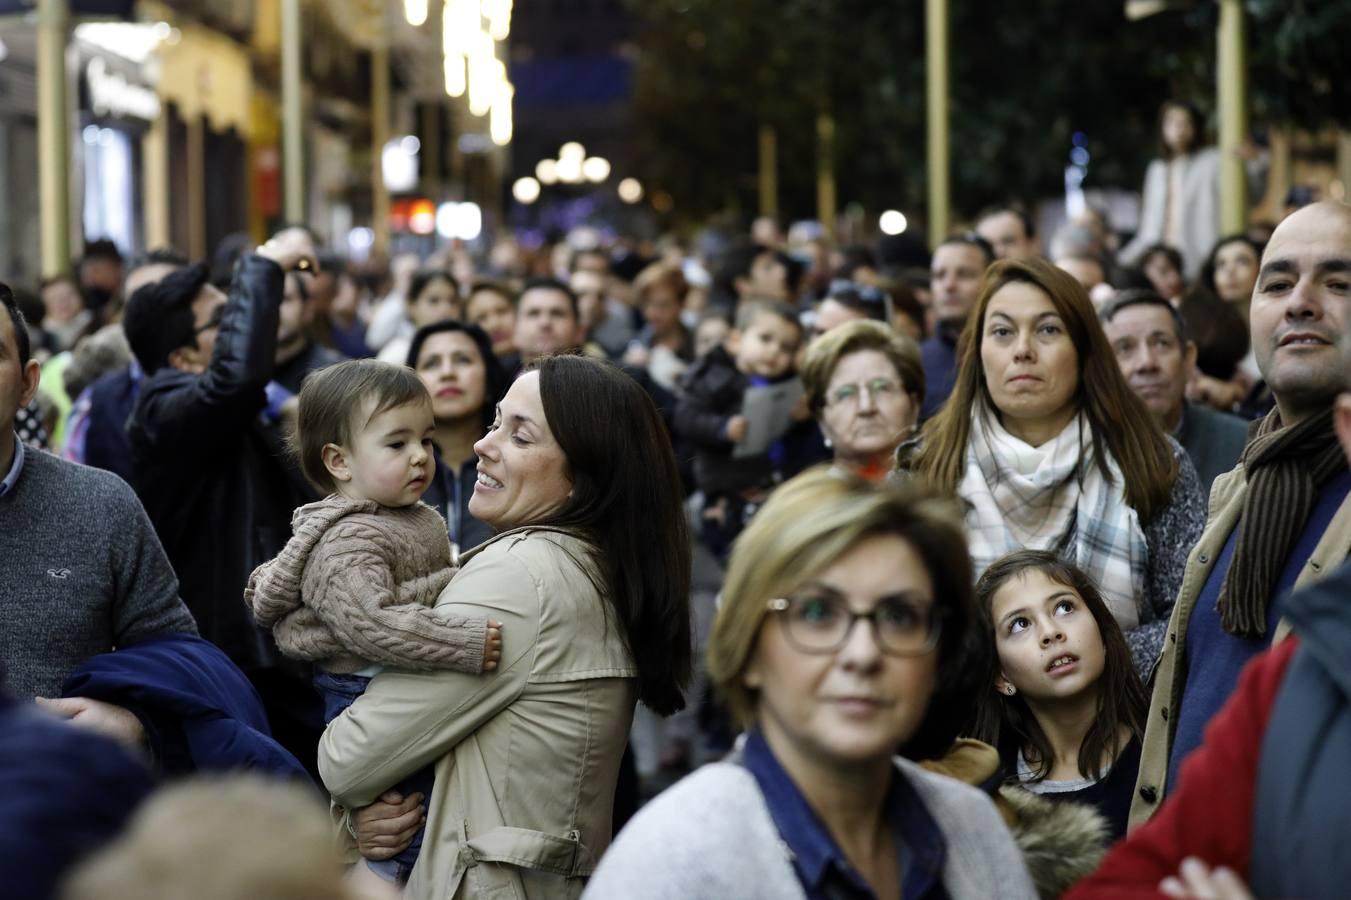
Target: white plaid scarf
point(1054, 497)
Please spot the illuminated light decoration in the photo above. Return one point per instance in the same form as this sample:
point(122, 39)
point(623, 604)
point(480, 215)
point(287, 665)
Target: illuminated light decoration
point(892, 222)
point(570, 170)
point(546, 170)
point(415, 11)
point(500, 124)
point(498, 14)
point(630, 190)
point(485, 72)
point(360, 238)
point(398, 166)
point(525, 190)
point(459, 221)
point(457, 82)
point(572, 150)
point(596, 168)
point(662, 202)
point(422, 217)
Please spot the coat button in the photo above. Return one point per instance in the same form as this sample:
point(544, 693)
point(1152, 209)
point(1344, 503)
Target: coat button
point(1203, 558)
point(1149, 794)
point(1164, 712)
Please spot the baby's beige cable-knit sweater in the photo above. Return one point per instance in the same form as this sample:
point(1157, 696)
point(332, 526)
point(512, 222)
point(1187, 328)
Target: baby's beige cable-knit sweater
point(355, 585)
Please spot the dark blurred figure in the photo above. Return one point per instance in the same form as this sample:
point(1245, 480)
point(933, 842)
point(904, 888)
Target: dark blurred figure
point(101, 277)
point(205, 457)
point(298, 354)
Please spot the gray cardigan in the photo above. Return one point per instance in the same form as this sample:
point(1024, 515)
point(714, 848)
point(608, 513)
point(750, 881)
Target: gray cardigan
point(712, 836)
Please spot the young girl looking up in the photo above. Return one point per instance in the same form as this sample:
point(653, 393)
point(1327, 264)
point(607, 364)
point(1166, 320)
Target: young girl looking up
point(1065, 706)
point(352, 590)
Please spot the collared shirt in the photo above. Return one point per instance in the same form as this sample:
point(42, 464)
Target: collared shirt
point(12, 478)
point(821, 867)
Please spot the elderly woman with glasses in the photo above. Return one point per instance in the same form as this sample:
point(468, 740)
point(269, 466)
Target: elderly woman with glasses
point(846, 631)
point(864, 384)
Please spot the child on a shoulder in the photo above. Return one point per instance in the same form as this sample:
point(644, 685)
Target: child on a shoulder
point(354, 589)
point(1060, 698)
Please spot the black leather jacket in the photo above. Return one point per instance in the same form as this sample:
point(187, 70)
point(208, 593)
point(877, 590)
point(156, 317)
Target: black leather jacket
point(209, 472)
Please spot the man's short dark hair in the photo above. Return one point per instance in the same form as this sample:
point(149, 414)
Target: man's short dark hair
point(159, 319)
point(588, 251)
point(488, 285)
point(551, 284)
point(1172, 254)
point(17, 321)
point(102, 248)
point(970, 239)
point(331, 263)
point(1029, 228)
point(1138, 297)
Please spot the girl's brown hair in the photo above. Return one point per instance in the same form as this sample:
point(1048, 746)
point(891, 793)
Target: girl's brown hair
point(1008, 722)
point(1121, 427)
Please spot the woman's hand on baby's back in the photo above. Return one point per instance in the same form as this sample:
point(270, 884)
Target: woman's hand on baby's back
point(492, 646)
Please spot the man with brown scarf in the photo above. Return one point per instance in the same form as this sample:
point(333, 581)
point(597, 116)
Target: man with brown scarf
point(1282, 517)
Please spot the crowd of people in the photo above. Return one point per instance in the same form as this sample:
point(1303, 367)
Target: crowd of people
point(755, 566)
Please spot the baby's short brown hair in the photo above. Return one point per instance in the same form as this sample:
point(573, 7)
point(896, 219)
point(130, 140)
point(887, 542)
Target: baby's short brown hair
point(336, 402)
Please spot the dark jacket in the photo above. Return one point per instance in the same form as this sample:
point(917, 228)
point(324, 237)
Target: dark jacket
point(199, 712)
point(112, 398)
point(1300, 815)
point(1214, 440)
point(449, 495)
point(64, 793)
point(713, 390)
point(209, 473)
point(291, 374)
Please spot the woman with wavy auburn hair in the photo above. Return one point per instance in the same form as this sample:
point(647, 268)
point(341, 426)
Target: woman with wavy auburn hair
point(1051, 450)
point(847, 630)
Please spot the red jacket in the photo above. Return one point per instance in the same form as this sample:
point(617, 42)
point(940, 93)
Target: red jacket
point(1209, 816)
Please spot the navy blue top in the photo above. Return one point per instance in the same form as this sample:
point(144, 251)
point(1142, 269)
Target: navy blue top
point(822, 869)
point(449, 495)
point(938, 354)
point(1214, 656)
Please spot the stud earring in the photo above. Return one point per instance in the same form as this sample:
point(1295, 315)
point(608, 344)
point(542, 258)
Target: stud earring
point(1009, 690)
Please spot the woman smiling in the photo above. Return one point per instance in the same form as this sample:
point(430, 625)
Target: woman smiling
point(589, 575)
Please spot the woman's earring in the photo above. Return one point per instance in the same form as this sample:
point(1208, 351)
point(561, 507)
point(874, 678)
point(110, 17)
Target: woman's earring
point(1009, 690)
point(828, 443)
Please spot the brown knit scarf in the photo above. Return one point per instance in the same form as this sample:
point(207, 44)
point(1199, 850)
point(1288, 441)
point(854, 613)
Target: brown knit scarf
point(1286, 468)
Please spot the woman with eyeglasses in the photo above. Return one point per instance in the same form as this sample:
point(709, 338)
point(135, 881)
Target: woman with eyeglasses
point(864, 385)
point(847, 630)
point(1052, 450)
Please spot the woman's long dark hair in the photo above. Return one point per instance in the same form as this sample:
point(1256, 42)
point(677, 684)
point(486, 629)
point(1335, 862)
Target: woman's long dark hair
point(496, 380)
point(626, 496)
point(1008, 722)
